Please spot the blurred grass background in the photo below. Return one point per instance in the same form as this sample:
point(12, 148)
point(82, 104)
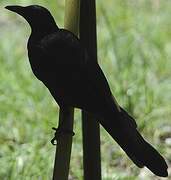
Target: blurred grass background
point(134, 50)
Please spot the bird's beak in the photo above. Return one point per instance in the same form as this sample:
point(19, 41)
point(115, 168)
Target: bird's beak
point(17, 9)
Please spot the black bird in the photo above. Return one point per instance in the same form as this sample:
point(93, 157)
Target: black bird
point(58, 59)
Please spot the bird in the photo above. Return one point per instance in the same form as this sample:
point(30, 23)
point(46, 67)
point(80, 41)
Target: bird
point(63, 64)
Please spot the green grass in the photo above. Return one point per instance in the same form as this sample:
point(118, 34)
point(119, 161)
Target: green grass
point(134, 50)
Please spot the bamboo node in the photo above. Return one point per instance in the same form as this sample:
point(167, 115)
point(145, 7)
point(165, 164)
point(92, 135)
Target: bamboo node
point(59, 132)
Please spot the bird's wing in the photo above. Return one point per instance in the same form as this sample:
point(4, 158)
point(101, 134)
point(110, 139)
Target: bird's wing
point(88, 87)
point(98, 82)
point(62, 47)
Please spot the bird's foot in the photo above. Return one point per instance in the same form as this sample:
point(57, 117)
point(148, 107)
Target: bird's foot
point(58, 132)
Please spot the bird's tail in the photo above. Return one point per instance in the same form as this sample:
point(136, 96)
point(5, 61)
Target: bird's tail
point(134, 145)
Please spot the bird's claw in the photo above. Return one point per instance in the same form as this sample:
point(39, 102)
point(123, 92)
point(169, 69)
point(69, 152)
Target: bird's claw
point(58, 132)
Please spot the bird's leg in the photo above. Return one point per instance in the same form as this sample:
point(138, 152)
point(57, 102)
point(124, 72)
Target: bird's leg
point(64, 127)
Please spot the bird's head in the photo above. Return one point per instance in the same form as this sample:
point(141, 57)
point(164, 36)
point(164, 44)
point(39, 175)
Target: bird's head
point(37, 16)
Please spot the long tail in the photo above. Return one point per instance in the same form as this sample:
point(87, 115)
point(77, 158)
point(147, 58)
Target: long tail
point(134, 145)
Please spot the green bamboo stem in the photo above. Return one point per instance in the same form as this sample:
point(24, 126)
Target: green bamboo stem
point(66, 116)
point(72, 11)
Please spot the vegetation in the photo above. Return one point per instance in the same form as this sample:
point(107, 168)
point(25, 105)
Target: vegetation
point(134, 50)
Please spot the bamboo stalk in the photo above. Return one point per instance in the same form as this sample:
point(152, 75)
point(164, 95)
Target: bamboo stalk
point(91, 131)
point(66, 116)
point(64, 145)
point(72, 14)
